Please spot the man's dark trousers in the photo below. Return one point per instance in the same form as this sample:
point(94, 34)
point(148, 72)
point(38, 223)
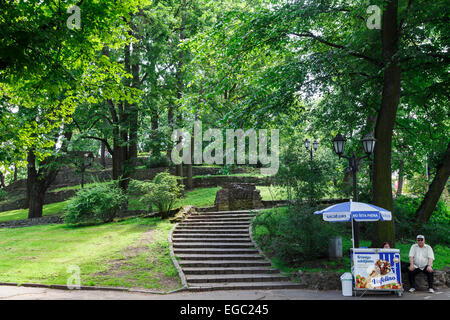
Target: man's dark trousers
point(412, 277)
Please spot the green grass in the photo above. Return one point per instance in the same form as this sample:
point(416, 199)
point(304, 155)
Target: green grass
point(42, 254)
point(272, 192)
point(201, 197)
point(48, 210)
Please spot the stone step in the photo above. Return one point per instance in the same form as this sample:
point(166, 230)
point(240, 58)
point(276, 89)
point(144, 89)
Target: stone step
point(228, 270)
point(218, 278)
point(223, 263)
point(230, 212)
point(221, 257)
point(211, 231)
point(214, 245)
point(212, 226)
point(221, 216)
point(246, 286)
point(200, 251)
point(217, 220)
point(197, 239)
point(204, 236)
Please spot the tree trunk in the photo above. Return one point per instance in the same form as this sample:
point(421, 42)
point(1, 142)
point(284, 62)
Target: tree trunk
point(103, 155)
point(189, 182)
point(133, 119)
point(382, 180)
point(38, 182)
point(2, 180)
point(36, 200)
point(428, 204)
point(156, 150)
point(400, 179)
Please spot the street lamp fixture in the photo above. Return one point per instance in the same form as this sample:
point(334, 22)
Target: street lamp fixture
point(312, 148)
point(339, 144)
point(315, 145)
point(368, 144)
point(353, 164)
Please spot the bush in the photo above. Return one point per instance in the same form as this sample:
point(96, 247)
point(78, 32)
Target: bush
point(139, 188)
point(435, 231)
point(293, 235)
point(99, 203)
point(162, 192)
point(262, 235)
point(309, 180)
point(3, 194)
point(157, 162)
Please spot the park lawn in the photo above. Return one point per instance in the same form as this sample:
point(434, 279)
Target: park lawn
point(19, 214)
point(130, 253)
point(272, 192)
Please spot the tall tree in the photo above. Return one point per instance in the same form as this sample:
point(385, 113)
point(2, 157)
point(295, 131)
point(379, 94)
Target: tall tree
point(326, 48)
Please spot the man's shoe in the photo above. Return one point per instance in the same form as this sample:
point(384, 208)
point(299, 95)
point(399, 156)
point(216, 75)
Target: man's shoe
point(412, 290)
point(431, 290)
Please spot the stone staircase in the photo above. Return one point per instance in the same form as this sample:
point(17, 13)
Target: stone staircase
point(215, 252)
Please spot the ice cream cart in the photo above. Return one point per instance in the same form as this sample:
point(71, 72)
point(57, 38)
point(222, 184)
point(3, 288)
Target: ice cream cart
point(372, 269)
point(376, 270)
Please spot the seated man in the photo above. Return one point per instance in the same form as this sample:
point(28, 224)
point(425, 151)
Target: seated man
point(421, 258)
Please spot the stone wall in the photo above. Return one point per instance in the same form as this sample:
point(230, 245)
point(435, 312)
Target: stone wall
point(238, 196)
point(213, 181)
point(58, 219)
point(31, 222)
point(50, 197)
point(67, 177)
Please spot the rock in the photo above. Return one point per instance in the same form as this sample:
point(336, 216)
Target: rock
point(238, 196)
point(182, 213)
point(441, 279)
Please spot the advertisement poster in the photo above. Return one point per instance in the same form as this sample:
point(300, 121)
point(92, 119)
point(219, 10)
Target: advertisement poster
point(376, 269)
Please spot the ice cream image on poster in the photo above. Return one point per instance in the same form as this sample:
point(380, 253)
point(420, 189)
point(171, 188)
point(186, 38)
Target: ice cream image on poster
point(380, 274)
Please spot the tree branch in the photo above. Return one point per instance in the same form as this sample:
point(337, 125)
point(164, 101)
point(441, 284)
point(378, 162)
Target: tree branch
point(110, 150)
point(338, 46)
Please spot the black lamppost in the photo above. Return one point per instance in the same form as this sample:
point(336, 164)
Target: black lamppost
point(353, 164)
point(311, 148)
point(314, 146)
point(87, 160)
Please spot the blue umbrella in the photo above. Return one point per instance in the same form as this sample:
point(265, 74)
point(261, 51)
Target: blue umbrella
point(358, 211)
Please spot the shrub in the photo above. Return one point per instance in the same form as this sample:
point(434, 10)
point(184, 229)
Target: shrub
point(3, 194)
point(435, 231)
point(139, 188)
point(294, 234)
point(305, 179)
point(302, 236)
point(157, 161)
point(163, 191)
point(262, 235)
point(99, 203)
